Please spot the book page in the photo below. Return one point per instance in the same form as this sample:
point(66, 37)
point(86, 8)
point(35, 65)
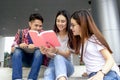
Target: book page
point(43, 38)
point(37, 40)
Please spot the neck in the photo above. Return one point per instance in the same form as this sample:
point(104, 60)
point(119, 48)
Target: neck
point(62, 33)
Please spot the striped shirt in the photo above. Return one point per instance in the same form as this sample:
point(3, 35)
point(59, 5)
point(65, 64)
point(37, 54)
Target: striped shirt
point(26, 40)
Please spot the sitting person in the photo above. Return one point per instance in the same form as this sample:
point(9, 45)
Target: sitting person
point(34, 59)
point(93, 48)
point(60, 66)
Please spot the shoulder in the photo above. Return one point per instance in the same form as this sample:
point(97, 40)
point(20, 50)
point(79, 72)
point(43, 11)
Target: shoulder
point(94, 39)
point(25, 30)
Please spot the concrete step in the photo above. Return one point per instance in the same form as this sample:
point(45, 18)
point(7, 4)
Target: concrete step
point(6, 73)
point(73, 78)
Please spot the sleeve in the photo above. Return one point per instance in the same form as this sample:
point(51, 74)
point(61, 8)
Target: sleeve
point(16, 40)
point(99, 46)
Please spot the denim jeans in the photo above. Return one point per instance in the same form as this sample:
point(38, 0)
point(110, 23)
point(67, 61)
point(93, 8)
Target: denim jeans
point(111, 75)
point(32, 59)
point(58, 66)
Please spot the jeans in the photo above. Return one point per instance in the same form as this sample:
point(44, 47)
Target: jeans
point(111, 75)
point(58, 66)
point(32, 59)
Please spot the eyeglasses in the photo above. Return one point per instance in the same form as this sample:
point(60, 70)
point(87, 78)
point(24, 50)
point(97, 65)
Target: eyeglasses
point(73, 25)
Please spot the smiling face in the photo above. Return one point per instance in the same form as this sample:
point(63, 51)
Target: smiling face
point(36, 25)
point(75, 27)
point(61, 22)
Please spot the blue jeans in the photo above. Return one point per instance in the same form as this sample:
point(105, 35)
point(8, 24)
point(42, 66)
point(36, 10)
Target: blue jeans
point(58, 66)
point(32, 59)
point(111, 75)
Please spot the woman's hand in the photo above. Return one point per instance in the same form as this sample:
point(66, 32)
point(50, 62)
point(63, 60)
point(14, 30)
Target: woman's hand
point(43, 49)
point(52, 49)
point(50, 55)
point(98, 76)
point(47, 51)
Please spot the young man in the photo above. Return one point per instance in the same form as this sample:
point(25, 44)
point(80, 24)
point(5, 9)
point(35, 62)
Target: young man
point(34, 59)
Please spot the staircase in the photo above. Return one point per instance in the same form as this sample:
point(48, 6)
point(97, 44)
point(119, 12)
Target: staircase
point(6, 73)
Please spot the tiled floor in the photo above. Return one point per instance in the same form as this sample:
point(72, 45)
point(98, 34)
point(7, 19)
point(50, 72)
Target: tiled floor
point(6, 73)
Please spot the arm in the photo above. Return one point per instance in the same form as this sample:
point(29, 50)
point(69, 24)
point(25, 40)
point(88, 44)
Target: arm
point(17, 42)
point(63, 53)
point(108, 59)
point(26, 40)
point(54, 50)
point(109, 62)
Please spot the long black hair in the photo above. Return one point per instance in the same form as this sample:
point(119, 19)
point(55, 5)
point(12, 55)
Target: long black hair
point(68, 30)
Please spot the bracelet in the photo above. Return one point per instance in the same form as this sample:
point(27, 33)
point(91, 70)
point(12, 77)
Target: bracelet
point(102, 72)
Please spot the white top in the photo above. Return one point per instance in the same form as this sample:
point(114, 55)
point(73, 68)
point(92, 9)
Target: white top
point(63, 44)
point(92, 57)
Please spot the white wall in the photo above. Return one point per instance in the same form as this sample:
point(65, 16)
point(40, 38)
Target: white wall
point(5, 46)
point(2, 41)
point(8, 43)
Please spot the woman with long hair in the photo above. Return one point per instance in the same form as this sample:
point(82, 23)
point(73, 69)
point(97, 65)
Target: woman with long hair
point(93, 48)
point(60, 66)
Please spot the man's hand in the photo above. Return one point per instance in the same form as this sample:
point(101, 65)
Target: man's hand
point(31, 46)
point(12, 49)
point(23, 45)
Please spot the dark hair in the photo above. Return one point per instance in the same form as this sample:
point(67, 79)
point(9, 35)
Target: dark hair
point(67, 16)
point(35, 16)
point(88, 28)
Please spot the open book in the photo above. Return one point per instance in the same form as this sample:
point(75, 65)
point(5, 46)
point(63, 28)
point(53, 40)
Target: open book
point(44, 38)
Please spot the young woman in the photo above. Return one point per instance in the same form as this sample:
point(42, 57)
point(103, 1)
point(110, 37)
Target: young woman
point(93, 48)
point(60, 66)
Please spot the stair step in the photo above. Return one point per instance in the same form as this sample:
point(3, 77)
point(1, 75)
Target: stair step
point(71, 78)
point(6, 73)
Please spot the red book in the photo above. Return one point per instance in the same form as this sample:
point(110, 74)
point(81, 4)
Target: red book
point(43, 38)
